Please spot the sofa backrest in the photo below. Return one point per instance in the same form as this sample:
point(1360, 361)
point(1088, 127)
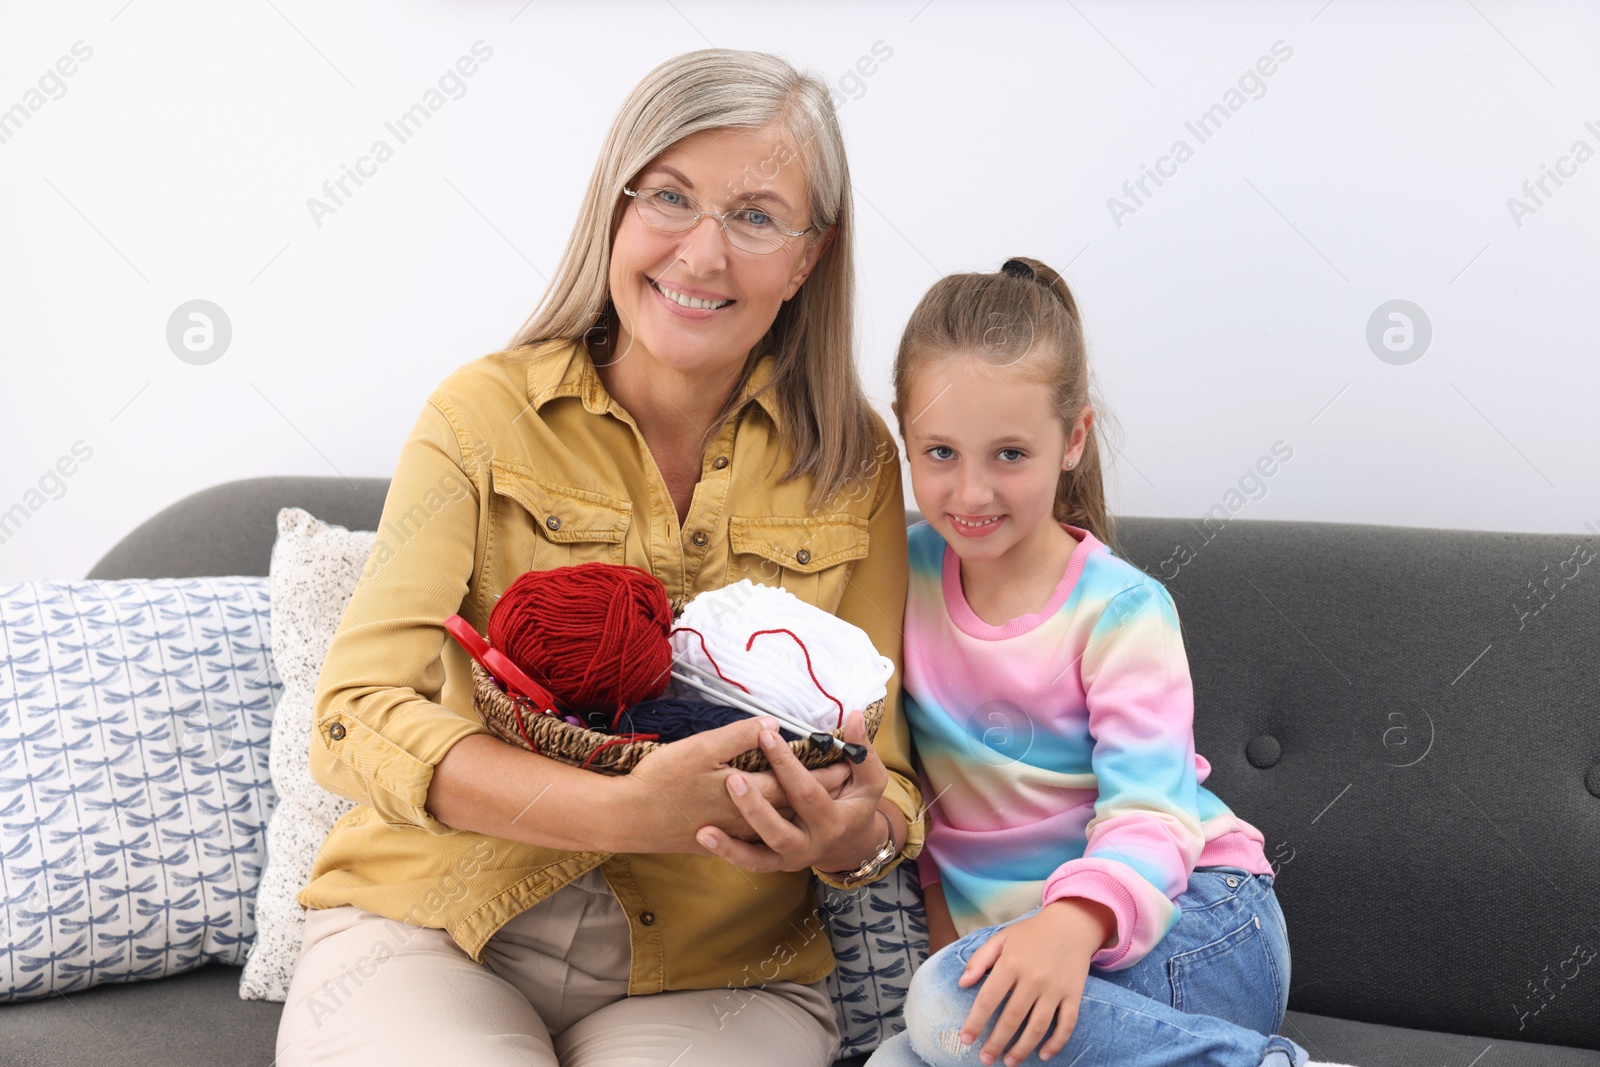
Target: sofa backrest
point(230, 528)
point(1409, 717)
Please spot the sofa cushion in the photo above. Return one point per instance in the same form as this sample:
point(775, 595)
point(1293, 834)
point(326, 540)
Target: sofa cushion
point(134, 790)
point(315, 567)
point(1374, 1045)
point(192, 1020)
point(880, 936)
point(197, 1020)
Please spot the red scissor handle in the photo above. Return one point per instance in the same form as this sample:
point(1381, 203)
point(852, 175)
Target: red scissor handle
point(498, 664)
point(469, 639)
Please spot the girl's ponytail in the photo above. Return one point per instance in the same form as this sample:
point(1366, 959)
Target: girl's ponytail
point(1024, 310)
point(1035, 271)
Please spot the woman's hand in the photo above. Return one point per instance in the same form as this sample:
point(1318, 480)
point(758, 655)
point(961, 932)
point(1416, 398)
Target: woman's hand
point(680, 787)
point(830, 831)
point(1042, 962)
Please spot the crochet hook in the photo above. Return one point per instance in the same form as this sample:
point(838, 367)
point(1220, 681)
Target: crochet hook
point(691, 675)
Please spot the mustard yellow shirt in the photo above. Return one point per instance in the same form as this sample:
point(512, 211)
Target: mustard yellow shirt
point(518, 465)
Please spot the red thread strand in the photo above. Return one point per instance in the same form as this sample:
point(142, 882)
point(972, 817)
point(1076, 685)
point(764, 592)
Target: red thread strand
point(516, 709)
point(711, 658)
point(807, 653)
point(620, 740)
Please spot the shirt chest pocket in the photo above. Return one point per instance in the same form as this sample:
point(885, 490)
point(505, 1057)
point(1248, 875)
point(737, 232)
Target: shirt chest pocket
point(540, 525)
point(810, 557)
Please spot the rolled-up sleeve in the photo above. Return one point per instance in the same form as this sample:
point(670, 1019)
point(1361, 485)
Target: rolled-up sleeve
point(379, 726)
point(875, 600)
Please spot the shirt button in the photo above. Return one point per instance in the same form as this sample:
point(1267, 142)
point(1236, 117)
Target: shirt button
point(720, 462)
point(803, 556)
point(701, 539)
point(554, 522)
point(336, 731)
point(648, 918)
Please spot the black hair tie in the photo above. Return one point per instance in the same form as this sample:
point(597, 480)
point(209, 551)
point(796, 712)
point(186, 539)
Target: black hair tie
point(1018, 269)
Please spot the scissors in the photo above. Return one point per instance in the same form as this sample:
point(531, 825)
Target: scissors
point(499, 665)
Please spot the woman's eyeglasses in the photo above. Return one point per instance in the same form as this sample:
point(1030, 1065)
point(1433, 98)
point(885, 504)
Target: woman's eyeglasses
point(748, 228)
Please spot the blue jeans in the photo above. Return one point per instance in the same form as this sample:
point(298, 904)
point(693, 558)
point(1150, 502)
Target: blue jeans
point(1214, 991)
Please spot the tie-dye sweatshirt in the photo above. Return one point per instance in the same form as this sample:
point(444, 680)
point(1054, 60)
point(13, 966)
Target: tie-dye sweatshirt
point(1057, 750)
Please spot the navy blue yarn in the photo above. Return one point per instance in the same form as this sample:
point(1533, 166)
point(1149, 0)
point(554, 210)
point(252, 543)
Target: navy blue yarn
point(674, 719)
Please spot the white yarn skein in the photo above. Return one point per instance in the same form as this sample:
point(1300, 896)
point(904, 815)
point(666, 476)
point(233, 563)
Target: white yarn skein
point(774, 669)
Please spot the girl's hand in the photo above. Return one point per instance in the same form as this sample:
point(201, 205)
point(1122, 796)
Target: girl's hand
point(681, 787)
point(1042, 962)
point(831, 831)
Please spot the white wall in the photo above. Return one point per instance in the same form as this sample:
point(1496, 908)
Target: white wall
point(1226, 313)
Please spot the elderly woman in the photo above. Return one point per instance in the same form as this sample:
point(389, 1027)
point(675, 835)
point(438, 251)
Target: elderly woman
point(684, 400)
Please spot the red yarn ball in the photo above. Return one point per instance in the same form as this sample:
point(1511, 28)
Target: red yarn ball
point(594, 634)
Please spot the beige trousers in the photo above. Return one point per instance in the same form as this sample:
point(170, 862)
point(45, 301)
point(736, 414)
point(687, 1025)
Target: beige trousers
point(552, 992)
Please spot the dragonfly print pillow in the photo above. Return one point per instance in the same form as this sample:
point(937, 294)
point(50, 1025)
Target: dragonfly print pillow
point(134, 792)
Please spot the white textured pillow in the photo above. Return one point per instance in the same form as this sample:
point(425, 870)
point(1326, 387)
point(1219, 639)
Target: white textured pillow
point(315, 567)
point(133, 782)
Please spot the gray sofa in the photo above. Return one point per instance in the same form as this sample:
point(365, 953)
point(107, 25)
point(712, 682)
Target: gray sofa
point(1418, 744)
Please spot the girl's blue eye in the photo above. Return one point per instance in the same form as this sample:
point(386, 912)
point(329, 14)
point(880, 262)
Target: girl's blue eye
point(1014, 453)
point(937, 450)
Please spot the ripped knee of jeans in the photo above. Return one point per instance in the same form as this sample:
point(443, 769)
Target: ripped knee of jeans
point(948, 1040)
point(934, 1018)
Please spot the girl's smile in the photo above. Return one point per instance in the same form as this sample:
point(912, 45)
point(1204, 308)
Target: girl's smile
point(975, 525)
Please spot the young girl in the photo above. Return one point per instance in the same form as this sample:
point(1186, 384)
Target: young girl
point(1084, 892)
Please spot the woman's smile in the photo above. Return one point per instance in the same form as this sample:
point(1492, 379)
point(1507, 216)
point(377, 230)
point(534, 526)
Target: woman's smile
point(683, 298)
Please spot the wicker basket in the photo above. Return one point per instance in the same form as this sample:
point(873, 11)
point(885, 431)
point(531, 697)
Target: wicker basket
point(559, 739)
